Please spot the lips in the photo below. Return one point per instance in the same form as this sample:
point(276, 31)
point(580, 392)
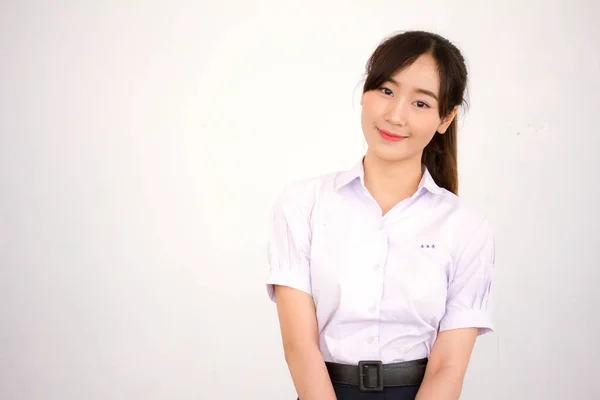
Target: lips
point(390, 136)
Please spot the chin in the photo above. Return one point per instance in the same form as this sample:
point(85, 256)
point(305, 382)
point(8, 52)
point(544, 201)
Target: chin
point(389, 153)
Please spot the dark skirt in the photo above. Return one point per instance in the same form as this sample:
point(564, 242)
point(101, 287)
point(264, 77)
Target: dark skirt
point(346, 392)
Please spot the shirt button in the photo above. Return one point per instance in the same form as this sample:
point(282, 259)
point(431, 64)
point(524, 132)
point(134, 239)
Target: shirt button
point(376, 267)
point(370, 340)
point(372, 309)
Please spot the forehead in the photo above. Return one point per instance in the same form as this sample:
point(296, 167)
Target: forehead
point(422, 73)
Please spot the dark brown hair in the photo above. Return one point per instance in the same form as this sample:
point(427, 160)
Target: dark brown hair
point(400, 51)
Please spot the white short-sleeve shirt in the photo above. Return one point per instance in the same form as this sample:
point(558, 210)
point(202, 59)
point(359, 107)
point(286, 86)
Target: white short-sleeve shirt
point(383, 286)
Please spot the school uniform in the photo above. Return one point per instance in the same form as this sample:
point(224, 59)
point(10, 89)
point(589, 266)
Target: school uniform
point(383, 286)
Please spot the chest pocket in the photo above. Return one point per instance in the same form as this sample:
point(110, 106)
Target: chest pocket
point(417, 277)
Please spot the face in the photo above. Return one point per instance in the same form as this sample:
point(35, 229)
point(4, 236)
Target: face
point(400, 117)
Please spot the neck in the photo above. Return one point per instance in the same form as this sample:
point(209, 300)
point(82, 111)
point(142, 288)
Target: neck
point(392, 179)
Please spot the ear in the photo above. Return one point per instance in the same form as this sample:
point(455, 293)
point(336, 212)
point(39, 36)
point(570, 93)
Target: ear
point(447, 121)
point(361, 99)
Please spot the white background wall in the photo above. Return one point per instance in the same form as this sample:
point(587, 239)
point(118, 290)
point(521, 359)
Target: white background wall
point(143, 143)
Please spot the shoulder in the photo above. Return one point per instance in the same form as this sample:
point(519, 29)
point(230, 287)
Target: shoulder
point(455, 209)
point(464, 222)
point(302, 194)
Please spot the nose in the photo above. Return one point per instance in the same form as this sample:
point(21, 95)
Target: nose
point(395, 112)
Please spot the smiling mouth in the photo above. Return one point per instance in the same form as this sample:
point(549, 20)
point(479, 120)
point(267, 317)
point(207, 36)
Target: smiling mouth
point(390, 136)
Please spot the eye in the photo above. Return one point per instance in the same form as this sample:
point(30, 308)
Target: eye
point(421, 104)
point(385, 91)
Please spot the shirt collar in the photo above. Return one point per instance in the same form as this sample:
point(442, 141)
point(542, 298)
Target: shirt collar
point(357, 172)
point(344, 178)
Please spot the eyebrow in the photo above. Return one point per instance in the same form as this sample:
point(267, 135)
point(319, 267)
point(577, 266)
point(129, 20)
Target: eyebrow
point(418, 90)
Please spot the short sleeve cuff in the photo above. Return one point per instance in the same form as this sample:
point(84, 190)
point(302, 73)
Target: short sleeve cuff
point(291, 278)
point(468, 319)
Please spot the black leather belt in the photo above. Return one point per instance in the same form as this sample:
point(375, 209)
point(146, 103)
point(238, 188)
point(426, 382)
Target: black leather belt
point(373, 376)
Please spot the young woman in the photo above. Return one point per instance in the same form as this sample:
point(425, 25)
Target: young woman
point(380, 273)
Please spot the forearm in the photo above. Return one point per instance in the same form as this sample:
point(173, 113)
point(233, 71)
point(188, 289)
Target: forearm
point(309, 374)
point(444, 383)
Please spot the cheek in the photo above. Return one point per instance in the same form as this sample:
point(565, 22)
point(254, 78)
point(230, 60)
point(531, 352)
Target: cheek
point(368, 116)
point(368, 110)
point(372, 106)
point(424, 125)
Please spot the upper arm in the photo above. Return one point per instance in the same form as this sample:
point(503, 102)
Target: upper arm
point(289, 283)
point(289, 244)
point(468, 302)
